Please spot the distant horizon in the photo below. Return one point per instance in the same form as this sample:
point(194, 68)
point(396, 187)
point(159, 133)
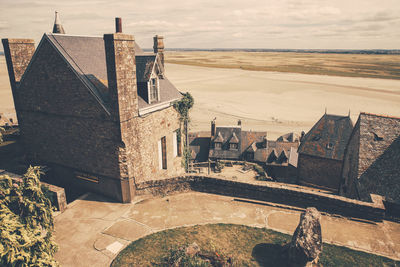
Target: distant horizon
point(282, 50)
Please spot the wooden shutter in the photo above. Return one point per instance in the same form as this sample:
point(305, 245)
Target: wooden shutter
point(164, 152)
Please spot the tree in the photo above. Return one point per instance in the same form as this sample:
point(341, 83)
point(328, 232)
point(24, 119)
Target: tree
point(183, 106)
point(26, 222)
point(2, 131)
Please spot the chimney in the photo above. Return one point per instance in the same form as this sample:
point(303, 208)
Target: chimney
point(118, 25)
point(212, 128)
point(121, 74)
point(159, 47)
point(58, 28)
point(18, 53)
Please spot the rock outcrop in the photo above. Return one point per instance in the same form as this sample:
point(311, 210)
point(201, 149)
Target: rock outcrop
point(306, 244)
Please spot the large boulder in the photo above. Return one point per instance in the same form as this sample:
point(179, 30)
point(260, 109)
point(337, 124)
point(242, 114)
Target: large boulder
point(306, 244)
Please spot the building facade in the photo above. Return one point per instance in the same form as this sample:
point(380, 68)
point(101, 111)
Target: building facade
point(97, 110)
point(321, 152)
point(371, 161)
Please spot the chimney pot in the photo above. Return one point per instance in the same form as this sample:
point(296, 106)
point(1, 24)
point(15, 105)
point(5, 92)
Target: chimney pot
point(118, 25)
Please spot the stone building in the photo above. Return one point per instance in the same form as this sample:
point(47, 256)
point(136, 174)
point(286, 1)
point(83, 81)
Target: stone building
point(232, 143)
point(372, 157)
point(321, 152)
point(97, 110)
point(279, 157)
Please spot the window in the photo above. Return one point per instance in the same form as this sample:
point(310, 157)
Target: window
point(329, 146)
point(178, 142)
point(162, 153)
point(176, 137)
point(233, 146)
point(218, 145)
point(153, 90)
point(250, 156)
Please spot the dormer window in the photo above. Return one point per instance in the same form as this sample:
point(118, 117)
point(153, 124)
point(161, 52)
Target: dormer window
point(233, 146)
point(153, 90)
point(218, 145)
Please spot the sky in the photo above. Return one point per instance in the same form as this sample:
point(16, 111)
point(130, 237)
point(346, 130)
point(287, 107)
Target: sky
point(275, 24)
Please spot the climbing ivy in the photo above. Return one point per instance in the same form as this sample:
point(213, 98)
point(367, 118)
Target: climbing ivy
point(2, 131)
point(26, 222)
point(183, 107)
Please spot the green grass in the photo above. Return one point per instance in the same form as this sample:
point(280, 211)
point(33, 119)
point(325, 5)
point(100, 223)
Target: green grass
point(248, 246)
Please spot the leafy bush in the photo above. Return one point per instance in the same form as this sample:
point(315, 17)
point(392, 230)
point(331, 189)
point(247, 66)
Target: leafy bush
point(26, 222)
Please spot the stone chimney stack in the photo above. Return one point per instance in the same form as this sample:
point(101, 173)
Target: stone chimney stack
point(159, 47)
point(118, 25)
point(212, 128)
point(18, 54)
point(58, 28)
point(121, 75)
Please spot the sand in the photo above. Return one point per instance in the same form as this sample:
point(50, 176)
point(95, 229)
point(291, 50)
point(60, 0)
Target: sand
point(270, 101)
point(348, 65)
point(279, 102)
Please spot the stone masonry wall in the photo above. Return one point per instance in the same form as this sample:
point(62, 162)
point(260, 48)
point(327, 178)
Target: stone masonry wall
point(151, 128)
point(387, 128)
point(319, 172)
point(350, 165)
point(121, 74)
point(270, 192)
point(379, 168)
point(62, 124)
point(18, 53)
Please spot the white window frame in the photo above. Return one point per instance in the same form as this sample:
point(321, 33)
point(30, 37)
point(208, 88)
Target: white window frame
point(175, 143)
point(160, 163)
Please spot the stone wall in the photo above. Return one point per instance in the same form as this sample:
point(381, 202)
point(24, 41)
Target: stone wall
point(121, 74)
point(370, 162)
point(350, 165)
point(62, 124)
point(151, 128)
point(270, 192)
point(319, 172)
point(378, 167)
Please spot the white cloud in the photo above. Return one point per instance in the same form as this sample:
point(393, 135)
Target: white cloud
point(211, 24)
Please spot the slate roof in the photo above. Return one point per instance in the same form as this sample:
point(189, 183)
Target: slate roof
point(289, 137)
point(199, 144)
point(144, 67)
point(223, 134)
point(281, 152)
point(378, 150)
point(328, 137)
point(234, 139)
point(87, 57)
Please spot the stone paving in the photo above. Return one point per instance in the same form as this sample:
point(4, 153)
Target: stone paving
point(94, 229)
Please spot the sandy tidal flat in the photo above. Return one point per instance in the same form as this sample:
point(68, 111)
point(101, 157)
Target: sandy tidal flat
point(279, 102)
point(270, 101)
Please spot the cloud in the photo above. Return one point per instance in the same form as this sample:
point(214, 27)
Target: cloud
point(211, 24)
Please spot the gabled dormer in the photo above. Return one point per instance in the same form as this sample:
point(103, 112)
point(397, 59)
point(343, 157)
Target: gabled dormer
point(218, 141)
point(149, 72)
point(234, 142)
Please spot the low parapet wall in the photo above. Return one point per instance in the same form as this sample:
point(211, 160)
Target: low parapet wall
point(270, 192)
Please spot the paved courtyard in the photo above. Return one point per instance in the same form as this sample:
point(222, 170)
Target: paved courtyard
point(93, 229)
